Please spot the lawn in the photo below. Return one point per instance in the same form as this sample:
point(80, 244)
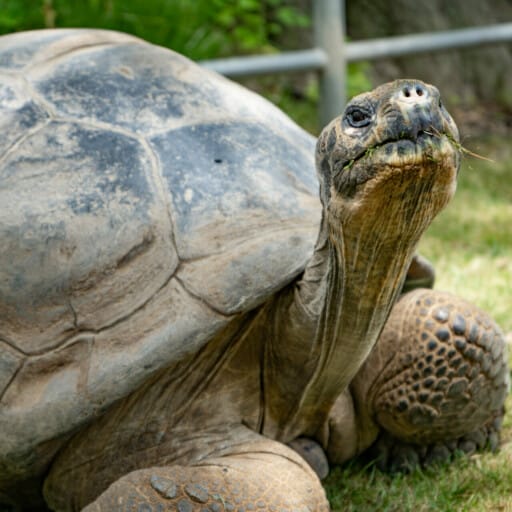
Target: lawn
point(471, 246)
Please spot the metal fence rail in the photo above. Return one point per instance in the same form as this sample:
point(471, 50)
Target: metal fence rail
point(331, 53)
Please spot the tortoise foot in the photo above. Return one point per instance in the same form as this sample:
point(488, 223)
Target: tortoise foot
point(265, 475)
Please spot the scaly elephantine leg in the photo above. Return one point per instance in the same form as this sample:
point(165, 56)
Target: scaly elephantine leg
point(260, 475)
point(435, 383)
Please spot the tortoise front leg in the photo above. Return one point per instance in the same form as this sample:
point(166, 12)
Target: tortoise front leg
point(261, 475)
point(436, 381)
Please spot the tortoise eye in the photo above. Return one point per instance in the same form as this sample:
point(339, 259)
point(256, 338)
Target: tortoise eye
point(358, 117)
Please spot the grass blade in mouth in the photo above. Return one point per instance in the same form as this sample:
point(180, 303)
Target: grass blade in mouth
point(459, 146)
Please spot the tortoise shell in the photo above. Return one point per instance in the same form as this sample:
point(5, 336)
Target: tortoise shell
point(145, 203)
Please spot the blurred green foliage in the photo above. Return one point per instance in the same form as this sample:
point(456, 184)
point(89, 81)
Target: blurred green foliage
point(197, 28)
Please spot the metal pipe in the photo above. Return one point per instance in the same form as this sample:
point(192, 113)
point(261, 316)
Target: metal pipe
point(428, 42)
point(316, 59)
point(304, 60)
point(329, 36)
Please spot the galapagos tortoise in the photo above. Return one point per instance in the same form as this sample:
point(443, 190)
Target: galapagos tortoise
point(178, 303)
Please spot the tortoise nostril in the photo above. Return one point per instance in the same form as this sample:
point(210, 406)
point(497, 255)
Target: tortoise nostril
point(413, 93)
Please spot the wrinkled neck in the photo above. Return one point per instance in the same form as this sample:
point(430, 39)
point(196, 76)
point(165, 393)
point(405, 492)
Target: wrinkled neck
point(326, 327)
point(363, 277)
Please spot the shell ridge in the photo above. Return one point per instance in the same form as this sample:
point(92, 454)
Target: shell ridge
point(198, 297)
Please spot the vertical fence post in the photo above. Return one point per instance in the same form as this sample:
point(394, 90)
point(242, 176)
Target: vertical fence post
point(328, 20)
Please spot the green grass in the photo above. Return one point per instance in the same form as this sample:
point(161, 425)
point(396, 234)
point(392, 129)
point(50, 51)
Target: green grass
point(481, 483)
point(470, 244)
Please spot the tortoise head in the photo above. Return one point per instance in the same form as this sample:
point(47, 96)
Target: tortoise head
point(396, 144)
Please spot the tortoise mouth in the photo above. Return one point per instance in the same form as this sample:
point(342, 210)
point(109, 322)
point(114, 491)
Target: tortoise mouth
point(396, 151)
